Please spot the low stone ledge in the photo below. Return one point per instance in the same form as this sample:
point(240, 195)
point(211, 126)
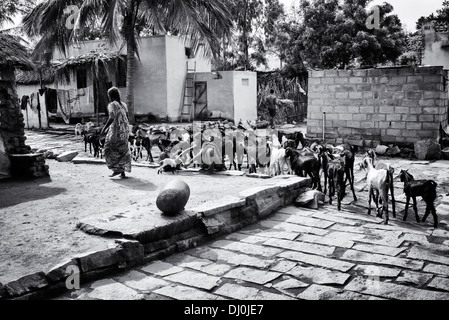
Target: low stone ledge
point(130, 252)
point(26, 284)
point(98, 260)
point(59, 272)
point(3, 292)
point(228, 202)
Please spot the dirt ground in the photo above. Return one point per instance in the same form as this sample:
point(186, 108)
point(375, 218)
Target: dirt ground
point(38, 218)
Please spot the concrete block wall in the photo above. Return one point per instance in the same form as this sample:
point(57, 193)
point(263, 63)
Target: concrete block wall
point(368, 107)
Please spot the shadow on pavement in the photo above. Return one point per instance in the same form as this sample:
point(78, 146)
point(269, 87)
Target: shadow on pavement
point(14, 192)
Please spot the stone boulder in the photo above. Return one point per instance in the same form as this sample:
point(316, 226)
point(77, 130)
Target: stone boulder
point(66, 156)
point(381, 149)
point(173, 197)
point(427, 150)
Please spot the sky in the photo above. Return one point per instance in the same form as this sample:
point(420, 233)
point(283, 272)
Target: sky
point(408, 11)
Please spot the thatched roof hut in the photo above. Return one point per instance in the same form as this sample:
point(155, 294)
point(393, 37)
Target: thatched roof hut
point(13, 54)
point(99, 62)
point(41, 75)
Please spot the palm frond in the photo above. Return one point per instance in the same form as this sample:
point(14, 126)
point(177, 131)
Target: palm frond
point(13, 54)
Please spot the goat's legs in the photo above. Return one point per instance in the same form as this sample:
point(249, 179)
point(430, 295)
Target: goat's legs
point(415, 208)
point(384, 197)
point(407, 201)
point(351, 182)
point(331, 189)
point(393, 201)
point(325, 181)
point(370, 195)
point(430, 208)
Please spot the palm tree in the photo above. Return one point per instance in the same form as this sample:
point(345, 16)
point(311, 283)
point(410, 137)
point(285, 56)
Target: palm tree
point(200, 22)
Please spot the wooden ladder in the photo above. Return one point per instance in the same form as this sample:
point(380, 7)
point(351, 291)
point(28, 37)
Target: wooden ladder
point(189, 91)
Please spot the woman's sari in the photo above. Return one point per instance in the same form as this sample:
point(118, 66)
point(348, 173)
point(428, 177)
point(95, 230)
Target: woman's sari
point(116, 147)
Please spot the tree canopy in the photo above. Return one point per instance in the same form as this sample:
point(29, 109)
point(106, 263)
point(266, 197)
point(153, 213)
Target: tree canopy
point(334, 34)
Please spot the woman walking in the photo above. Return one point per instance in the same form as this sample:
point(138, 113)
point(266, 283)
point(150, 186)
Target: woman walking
point(116, 149)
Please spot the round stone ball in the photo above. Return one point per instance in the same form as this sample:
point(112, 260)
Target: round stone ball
point(173, 197)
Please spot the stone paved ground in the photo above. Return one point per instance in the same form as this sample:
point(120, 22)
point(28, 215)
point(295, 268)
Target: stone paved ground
point(300, 253)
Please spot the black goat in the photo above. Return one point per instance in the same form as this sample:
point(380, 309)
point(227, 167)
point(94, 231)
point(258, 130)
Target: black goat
point(424, 188)
point(334, 172)
point(348, 154)
point(304, 164)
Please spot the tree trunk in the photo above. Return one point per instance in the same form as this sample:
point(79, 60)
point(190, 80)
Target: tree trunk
point(130, 60)
point(131, 64)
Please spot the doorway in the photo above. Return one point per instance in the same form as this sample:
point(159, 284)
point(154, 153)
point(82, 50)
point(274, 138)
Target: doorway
point(200, 100)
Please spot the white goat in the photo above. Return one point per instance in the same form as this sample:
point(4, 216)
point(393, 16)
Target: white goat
point(277, 158)
point(378, 182)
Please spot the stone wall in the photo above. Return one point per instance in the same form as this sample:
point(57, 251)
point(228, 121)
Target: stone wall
point(371, 106)
point(22, 161)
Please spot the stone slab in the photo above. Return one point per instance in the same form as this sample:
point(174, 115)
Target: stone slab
point(422, 253)
point(416, 278)
point(144, 225)
point(389, 251)
point(239, 292)
point(322, 250)
point(67, 156)
point(252, 275)
point(83, 160)
point(317, 260)
point(301, 220)
point(327, 240)
point(283, 266)
point(437, 269)
point(246, 248)
point(141, 282)
point(319, 275)
point(392, 290)
point(194, 279)
point(290, 284)
point(110, 289)
point(320, 292)
point(354, 255)
point(161, 268)
point(236, 236)
point(439, 283)
point(219, 255)
point(271, 233)
point(184, 260)
point(180, 292)
point(331, 217)
point(377, 271)
point(291, 227)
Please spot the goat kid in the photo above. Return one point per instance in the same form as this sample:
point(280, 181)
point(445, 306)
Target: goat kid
point(424, 188)
point(378, 182)
point(79, 130)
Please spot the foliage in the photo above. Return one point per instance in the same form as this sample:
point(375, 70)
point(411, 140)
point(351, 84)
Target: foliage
point(334, 34)
point(255, 24)
point(414, 50)
point(11, 8)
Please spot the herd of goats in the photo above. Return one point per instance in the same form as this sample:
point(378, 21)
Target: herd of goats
point(273, 153)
